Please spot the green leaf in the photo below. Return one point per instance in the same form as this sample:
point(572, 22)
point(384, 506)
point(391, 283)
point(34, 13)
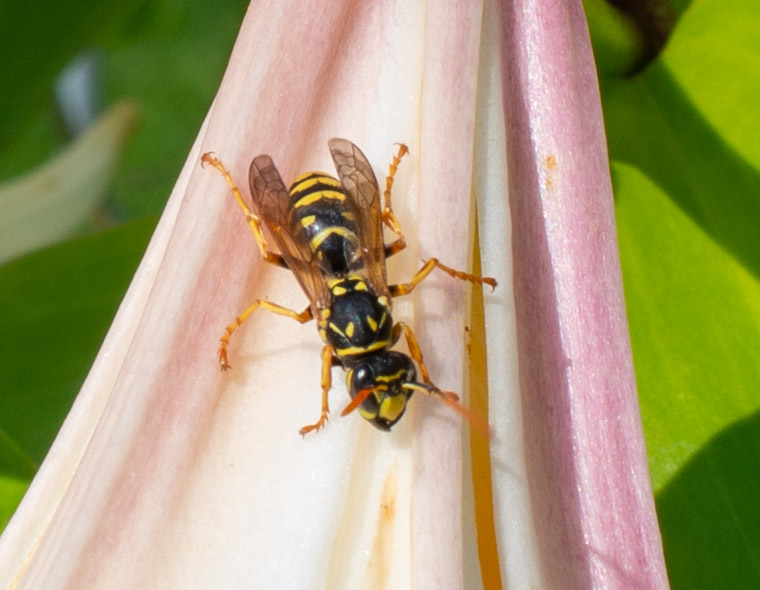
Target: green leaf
point(52, 201)
point(56, 305)
point(710, 514)
point(16, 472)
point(166, 56)
point(686, 170)
point(12, 490)
point(55, 308)
point(695, 318)
point(695, 326)
point(14, 462)
point(665, 122)
point(40, 38)
point(618, 46)
point(173, 67)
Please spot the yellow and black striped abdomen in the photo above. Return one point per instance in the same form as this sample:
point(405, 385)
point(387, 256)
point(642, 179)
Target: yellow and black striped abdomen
point(322, 217)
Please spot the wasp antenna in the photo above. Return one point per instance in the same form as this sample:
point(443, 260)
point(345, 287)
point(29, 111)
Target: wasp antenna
point(473, 418)
point(451, 400)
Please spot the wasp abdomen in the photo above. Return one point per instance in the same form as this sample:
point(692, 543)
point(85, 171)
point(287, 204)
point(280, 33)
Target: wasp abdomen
point(321, 214)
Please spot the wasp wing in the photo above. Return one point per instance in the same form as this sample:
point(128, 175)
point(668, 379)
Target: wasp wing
point(357, 177)
point(271, 202)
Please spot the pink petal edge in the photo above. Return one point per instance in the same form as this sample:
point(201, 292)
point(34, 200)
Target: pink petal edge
point(588, 476)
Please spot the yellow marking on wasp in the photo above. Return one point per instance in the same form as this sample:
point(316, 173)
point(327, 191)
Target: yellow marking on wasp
point(336, 329)
point(334, 282)
point(366, 415)
point(317, 240)
point(350, 329)
point(308, 179)
point(354, 350)
point(308, 220)
point(316, 196)
point(337, 291)
point(372, 323)
point(377, 392)
point(392, 407)
point(348, 215)
point(389, 378)
point(360, 286)
point(383, 300)
point(324, 315)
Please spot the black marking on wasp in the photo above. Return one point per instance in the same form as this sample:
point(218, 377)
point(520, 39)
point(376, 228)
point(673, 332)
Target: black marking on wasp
point(329, 233)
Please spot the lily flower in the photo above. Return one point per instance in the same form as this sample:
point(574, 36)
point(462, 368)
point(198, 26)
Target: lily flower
point(171, 474)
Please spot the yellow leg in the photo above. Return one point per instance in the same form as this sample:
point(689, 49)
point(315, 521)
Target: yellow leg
point(253, 221)
point(427, 268)
point(414, 349)
point(327, 363)
point(302, 318)
point(394, 247)
point(389, 218)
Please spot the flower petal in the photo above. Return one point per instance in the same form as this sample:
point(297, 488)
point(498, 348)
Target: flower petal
point(170, 473)
point(590, 497)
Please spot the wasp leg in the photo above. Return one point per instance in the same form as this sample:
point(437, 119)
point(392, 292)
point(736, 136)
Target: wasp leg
point(394, 247)
point(327, 365)
point(427, 268)
point(224, 341)
point(253, 221)
point(389, 218)
point(414, 349)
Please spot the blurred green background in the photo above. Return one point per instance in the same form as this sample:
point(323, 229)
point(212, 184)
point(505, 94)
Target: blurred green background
point(154, 70)
point(680, 91)
point(681, 103)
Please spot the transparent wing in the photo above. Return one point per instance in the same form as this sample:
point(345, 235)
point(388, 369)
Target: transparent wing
point(271, 203)
point(357, 177)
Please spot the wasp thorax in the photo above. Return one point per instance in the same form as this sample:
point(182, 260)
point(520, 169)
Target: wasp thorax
point(360, 321)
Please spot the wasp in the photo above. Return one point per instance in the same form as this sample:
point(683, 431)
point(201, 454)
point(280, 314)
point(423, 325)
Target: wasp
point(329, 233)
